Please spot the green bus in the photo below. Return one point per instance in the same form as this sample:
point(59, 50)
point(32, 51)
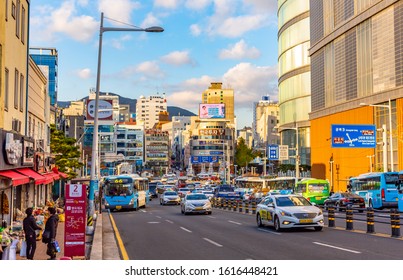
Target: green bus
point(315, 190)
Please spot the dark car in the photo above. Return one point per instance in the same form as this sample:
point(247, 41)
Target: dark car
point(152, 186)
point(340, 200)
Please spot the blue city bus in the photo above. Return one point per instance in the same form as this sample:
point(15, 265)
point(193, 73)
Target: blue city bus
point(126, 191)
point(379, 189)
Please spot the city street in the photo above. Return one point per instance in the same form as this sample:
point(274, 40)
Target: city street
point(163, 233)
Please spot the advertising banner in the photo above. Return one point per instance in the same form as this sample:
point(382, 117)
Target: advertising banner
point(75, 220)
point(105, 109)
point(353, 136)
point(204, 159)
point(211, 111)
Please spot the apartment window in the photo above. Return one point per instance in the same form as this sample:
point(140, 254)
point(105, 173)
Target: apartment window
point(23, 25)
point(29, 127)
point(17, 19)
point(16, 76)
point(22, 93)
point(6, 86)
point(6, 15)
point(13, 10)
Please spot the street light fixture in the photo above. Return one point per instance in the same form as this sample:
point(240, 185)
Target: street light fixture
point(93, 178)
point(389, 107)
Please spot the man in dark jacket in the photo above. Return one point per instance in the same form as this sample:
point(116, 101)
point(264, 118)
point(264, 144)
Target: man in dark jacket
point(51, 226)
point(30, 226)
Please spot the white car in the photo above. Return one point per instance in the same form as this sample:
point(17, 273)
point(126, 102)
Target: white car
point(195, 203)
point(170, 197)
point(288, 211)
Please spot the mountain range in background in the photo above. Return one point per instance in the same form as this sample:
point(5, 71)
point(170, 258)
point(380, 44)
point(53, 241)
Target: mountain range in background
point(172, 110)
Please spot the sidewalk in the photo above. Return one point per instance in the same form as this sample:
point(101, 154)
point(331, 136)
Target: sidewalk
point(102, 245)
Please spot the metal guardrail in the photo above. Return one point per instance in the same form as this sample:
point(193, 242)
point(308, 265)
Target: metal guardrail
point(249, 207)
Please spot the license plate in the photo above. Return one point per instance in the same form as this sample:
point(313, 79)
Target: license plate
point(199, 208)
point(318, 198)
point(397, 199)
point(305, 221)
point(118, 207)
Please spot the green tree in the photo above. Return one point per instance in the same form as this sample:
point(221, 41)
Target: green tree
point(67, 154)
point(243, 154)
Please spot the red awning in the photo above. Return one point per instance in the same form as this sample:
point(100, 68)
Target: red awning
point(15, 177)
point(39, 179)
point(64, 175)
point(48, 178)
point(55, 175)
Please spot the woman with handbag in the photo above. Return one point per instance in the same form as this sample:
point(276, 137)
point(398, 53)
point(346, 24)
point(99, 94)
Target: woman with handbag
point(51, 227)
point(29, 225)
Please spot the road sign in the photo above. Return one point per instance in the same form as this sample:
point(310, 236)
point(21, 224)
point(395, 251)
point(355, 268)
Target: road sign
point(283, 152)
point(353, 136)
point(273, 152)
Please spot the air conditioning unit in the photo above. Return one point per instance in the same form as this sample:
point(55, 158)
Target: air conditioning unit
point(16, 125)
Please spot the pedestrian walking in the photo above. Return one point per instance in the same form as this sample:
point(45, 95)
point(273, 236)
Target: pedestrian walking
point(51, 226)
point(29, 226)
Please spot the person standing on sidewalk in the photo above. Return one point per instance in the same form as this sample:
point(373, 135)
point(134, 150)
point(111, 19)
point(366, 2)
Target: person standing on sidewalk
point(51, 226)
point(29, 225)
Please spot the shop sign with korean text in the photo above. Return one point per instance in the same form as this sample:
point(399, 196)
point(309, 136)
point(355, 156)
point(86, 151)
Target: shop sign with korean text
point(75, 220)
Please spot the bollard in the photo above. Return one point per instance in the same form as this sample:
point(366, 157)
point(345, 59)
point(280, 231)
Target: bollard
point(235, 205)
point(241, 206)
point(370, 220)
point(221, 203)
point(349, 218)
point(395, 222)
point(253, 207)
point(330, 215)
point(247, 207)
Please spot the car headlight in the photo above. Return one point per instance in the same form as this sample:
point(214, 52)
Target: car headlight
point(320, 212)
point(208, 204)
point(285, 213)
point(131, 201)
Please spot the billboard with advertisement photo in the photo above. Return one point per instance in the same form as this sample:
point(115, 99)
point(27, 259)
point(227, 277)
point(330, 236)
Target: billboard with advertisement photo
point(211, 111)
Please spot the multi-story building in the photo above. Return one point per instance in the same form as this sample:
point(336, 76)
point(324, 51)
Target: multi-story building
point(156, 149)
point(215, 94)
point(130, 145)
point(46, 58)
point(124, 113)
point(246, 133)
point(266, 118)
point(149, 108)
point(356, 54)
point(294, 77)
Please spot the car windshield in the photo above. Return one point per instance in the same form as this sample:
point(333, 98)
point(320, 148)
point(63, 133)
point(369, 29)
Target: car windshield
point(346, 194)
point(170, 193)
point(292, 201)
point(196, 197)
point(184, 190)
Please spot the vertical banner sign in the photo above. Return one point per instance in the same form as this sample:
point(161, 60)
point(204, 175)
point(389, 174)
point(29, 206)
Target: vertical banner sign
point(75, 220)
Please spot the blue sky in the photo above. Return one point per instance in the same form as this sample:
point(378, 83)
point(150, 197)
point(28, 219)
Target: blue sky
point(228, 41)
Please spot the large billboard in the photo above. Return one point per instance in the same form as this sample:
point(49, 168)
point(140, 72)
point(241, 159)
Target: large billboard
point(105, 109)
point(353, 136)
point(211, 111)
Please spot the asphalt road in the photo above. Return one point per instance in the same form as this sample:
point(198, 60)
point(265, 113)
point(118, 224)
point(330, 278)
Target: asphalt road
point(163, 233)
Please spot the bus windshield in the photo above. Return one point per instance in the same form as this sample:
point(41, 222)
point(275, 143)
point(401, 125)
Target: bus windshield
point(117, 189)
point(318, 188)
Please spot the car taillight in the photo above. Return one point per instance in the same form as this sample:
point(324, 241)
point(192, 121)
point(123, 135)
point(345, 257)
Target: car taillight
point(308, 198)
point(344, 199)
point(383, 193)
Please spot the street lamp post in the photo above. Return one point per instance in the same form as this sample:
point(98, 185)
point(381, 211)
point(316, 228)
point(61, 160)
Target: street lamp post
point(389, 107)
point(93, 177)
point(296, 153)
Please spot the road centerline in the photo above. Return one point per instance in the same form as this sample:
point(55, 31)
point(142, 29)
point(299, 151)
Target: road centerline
point(213, 242)
point(233, 222)
point(335, 247)
point(185, 229)
point(269, 231)
point(169, 221)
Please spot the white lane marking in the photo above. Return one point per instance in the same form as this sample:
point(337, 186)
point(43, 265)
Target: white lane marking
point(169, 221)
point(234, 222)
point(159, 217)
point(269, 231)
point(212, 217)
point(153, 222)
point(144, 211)
point(212, 242)
point(338, 248)
point(185, 229)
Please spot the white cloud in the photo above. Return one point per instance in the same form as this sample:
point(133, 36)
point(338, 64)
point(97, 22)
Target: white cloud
point(250, 82)
point(233, 27)
point(269, 6)
point(118, 10)
point(195, 30)
point(167, 4)
point(239, 50)
point(178, 58)
point(150, 20)
point(149, 69)
point(197, 5)
point(118, 42)
point(84, 73)
point(82, 3)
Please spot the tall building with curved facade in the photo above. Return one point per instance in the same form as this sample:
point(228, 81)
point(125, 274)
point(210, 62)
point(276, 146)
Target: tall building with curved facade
point(356, 59)
point(294, 77)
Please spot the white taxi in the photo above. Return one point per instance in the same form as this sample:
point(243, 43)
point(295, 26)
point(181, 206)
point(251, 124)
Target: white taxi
point(288, 211)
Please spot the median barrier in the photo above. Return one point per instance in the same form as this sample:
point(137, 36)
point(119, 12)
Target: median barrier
point(349, 218)
point(370, 220)
point(330, 216)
